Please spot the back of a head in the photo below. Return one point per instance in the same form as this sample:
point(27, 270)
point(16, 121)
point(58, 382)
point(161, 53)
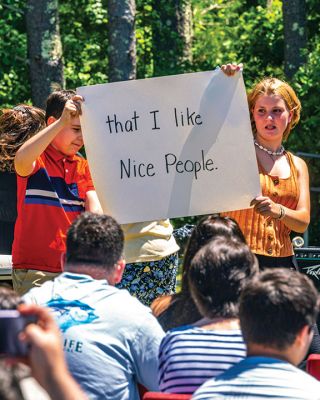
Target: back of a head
point(56, 102)
point(217, 275)
point(275, 306)
point(208, 228)
point(17, 125)
point(96, 240)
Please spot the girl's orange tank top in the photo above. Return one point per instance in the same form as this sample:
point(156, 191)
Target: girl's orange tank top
point(268, 236)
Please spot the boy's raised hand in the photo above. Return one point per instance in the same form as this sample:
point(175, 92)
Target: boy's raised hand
point(72, 109)
point(231, 69)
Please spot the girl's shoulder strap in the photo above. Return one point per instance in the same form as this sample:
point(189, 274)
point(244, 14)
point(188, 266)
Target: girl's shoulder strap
point(293, 168)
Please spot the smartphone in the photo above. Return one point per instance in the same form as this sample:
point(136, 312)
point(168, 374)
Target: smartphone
point(11, 324)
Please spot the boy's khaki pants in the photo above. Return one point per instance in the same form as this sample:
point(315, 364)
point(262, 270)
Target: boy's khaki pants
point(25, 279)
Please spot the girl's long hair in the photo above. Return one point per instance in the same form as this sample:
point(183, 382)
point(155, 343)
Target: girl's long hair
point(17, 125)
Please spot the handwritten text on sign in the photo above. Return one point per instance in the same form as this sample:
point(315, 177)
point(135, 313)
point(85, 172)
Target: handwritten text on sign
point(172, 146)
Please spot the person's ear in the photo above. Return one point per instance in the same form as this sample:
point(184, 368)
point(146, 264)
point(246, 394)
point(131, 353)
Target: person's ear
point(51, 120)
point(305, 335)
point(290, 116)
point(119, 270)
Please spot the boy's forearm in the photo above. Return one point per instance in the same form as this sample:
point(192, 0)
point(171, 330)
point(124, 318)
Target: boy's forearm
point(34, 147)
point(92, 202)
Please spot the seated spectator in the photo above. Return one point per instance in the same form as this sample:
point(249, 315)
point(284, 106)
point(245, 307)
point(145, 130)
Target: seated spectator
point(179, 309)
point(190, 355)
point(276, 317)
point(46, 359)
point(111, 340)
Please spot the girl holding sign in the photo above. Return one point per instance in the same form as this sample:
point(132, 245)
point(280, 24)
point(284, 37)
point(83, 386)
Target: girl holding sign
point(285, 201)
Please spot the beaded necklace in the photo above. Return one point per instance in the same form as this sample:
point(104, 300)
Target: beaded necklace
point(270, 152)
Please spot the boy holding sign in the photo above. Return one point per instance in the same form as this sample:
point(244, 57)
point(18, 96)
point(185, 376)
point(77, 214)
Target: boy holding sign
point(54, 187)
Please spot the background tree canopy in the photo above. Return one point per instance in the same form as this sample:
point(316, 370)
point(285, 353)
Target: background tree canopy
point(270, 37)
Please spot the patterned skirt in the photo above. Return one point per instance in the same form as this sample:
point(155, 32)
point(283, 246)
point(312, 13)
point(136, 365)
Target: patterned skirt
point(149, 280)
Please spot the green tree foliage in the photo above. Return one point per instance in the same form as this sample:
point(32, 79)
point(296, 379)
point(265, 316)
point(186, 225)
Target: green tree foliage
point(171, 33)
point(144, 19)
point(227, 32)
point(14, 78)
point(83, 26)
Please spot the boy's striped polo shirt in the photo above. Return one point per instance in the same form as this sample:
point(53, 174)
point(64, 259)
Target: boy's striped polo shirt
point(48, 201)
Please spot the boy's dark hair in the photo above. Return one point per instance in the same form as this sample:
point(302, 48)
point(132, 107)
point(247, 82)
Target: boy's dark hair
point(56, 101)
point(275, 306)
point(218, 273)
point(94, 239)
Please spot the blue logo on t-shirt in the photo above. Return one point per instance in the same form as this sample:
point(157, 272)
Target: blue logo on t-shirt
point(71, 312)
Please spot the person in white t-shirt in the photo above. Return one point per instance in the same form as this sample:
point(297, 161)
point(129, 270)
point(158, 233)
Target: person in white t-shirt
point(111, 340)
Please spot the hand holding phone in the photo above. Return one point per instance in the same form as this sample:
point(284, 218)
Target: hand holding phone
point(12, 323)
point(46, 357)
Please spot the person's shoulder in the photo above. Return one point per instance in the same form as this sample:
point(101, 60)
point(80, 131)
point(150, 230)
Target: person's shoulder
point(38, 295)
point(135, 315)
point(80, 160)
point(299, 163)
point(306, 379)
point(81, 165)
point(130, 305)
point(184, 333)
point(206, 391)
point(161, 304)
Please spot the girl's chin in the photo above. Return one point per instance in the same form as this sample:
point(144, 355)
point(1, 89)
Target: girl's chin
point(270, 134)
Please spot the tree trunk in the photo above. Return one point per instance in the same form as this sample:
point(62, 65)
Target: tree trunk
point(172, 36)
point(44, 49)
point(122, 43)
point(295, 38)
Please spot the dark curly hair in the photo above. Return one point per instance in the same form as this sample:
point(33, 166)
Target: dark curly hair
point(94, 239)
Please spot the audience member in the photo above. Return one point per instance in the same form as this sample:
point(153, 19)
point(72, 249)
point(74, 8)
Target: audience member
point(111, 340)
point(179, 309)
point(190, 355)
point(277, 312)
point(46, 359)
point(54, 187)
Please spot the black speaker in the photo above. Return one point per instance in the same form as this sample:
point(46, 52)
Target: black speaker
point(308, 259)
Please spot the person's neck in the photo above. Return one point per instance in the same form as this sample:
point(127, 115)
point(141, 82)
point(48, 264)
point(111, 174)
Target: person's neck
point(218, 323)
point(86, 269)
point(257, 350)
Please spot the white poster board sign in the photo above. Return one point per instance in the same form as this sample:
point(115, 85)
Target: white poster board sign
point(171, 146)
